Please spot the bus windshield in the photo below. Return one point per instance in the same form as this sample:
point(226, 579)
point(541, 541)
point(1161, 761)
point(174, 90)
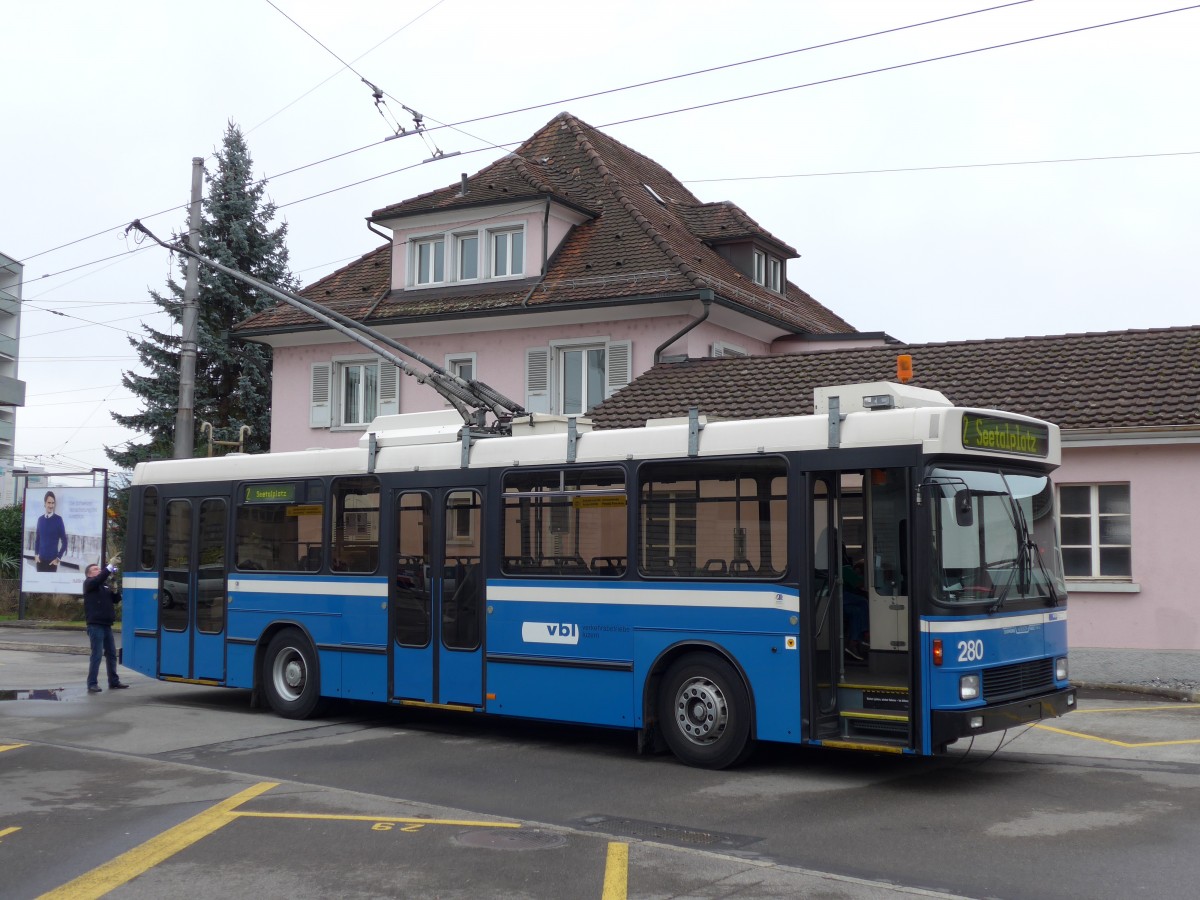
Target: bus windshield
point(994, 539)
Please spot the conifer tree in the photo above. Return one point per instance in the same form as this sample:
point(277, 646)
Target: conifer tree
point(233, 378)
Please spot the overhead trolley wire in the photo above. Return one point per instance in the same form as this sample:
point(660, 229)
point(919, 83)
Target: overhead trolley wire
point(704, 106)
point(441, 125)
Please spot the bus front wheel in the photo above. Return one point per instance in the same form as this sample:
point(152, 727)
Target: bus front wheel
point(704, 712)
point(291, 676)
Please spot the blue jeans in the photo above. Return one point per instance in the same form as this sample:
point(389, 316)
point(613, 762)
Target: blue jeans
point(856, 616)
point(101, 637)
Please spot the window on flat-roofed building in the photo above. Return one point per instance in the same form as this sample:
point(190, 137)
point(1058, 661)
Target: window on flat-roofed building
point(1096, 524)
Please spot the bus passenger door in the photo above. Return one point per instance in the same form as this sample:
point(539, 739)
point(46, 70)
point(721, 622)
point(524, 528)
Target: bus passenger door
point(191, 592)
point(436, 598)
point(824, 645)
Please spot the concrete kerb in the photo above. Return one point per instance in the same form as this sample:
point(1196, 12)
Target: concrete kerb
point(1144, 690)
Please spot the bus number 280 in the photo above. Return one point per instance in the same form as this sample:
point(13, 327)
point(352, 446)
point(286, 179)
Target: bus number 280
point(970, 651)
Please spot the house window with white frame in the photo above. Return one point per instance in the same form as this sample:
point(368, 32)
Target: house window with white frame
point(351, 392)
point(462, 365)
point(569, 377)
point(358, 391)
point(582, 383)
point(760, 267)
point(429, 260)
point(466, 256)
point(508, 252)
point(466, 250)
point(775, 274)
point(1097, 534)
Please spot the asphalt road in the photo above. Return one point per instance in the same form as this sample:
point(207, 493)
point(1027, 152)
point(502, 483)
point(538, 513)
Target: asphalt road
point(179, 789)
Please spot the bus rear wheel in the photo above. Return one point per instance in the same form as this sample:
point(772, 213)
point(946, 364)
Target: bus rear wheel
point(704, 712)
point(291, 676)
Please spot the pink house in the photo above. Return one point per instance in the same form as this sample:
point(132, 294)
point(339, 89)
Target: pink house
point(555, 275)
point(576, 268)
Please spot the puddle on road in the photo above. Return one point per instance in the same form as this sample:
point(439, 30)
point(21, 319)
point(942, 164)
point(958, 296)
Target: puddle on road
point(35, 694)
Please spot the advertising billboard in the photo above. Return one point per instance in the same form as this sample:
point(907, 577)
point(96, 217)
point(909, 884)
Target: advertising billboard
point(63, 534)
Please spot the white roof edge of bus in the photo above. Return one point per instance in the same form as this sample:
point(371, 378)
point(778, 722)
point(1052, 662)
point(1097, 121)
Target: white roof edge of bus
point(851, 396)
point(931, 427)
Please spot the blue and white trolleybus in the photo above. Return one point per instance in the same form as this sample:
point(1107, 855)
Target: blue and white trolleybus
point(883, 574)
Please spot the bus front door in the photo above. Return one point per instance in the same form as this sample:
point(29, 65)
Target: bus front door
point(191, 591)
point(436, 598)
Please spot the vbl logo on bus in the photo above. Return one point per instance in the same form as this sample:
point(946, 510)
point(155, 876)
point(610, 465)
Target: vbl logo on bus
point(550, 633)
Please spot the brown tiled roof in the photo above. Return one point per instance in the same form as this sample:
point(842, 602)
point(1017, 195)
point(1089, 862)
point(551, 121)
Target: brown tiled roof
point(633, 246)
point(724, 221)
point(1116, 379)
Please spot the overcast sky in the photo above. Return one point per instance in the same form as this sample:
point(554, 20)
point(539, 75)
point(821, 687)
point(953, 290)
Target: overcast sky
point(106, 104)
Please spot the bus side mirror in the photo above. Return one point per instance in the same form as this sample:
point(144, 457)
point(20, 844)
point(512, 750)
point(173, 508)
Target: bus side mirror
point(963, 514)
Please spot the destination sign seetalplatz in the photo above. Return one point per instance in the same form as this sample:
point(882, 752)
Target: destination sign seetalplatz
point(1005, 435)
point(270, 493)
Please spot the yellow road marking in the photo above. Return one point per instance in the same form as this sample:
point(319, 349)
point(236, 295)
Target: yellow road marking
point(1115, 743)
point(616, 872)
point(133, 863)
point(349, 818)
point(5, 832)
point(4, 747)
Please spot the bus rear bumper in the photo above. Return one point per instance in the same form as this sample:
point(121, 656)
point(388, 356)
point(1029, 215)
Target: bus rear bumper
point(950, 725)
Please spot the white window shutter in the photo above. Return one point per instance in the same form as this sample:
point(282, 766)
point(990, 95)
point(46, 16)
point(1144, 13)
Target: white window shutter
point(618, 360)
point(721, 349)
point(389, 389)
point(537, 379)
point(320, 401)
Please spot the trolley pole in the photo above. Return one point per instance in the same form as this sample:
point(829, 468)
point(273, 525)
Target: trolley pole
point(185, 416)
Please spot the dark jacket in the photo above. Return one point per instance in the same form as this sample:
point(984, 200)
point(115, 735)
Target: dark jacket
point(99, 600)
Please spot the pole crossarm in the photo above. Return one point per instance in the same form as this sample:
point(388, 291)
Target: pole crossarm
point(472, 399)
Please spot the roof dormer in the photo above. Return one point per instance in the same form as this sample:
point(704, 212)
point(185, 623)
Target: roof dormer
point(478, 243)
point(742, 242)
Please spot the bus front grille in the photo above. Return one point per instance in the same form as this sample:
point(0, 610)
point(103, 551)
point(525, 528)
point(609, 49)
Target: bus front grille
point(1018, 680)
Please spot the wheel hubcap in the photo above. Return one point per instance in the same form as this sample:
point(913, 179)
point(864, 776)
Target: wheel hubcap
point(289, 674)
point(701, 710)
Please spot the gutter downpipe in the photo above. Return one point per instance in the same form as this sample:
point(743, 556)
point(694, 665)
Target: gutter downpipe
point(706, 297)
point(545, 247)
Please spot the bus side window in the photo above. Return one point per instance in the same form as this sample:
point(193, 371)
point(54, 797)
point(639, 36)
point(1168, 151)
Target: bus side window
point(149, 554)
point(354, 525)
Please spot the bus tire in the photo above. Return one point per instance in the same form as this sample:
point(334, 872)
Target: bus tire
point(291, 676)
point(704, 712)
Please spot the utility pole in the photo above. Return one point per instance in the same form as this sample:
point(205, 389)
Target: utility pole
point(185, 416)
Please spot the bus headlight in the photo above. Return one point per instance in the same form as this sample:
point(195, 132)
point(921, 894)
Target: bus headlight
point(968, 687)
point(1060, 669)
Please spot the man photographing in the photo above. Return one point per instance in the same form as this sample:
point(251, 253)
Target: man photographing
point(99, 610)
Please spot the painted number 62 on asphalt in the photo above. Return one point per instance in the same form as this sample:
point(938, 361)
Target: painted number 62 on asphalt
point(970, 651)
